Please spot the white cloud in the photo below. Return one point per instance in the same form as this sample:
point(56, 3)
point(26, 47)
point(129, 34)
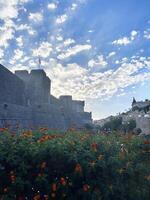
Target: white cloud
point(98, 62)
point(23, 27)
point(147, 34)
point(1, 53)
point(74, 6)
point(19, 41)
point(61, 19)
point(80, 82)
point(111, 54)
point(10, 8)
point(44, 50)
point(18, 54)
point(122, 41)
point(69, 41)
point(6, 34)
point(35, 17)
point(126, 40)
point(52, 6)
point(74, 50)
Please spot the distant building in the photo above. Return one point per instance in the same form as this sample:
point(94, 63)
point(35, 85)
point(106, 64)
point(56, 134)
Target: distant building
point(25, 99)
point(141, 105)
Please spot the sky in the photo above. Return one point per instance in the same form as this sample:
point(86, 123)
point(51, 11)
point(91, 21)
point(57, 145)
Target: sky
point(94, 50)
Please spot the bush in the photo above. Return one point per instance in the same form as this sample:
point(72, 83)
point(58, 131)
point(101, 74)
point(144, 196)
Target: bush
point(47, 165)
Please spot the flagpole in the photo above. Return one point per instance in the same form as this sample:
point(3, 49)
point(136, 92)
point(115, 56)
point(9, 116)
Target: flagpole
point(39, 62)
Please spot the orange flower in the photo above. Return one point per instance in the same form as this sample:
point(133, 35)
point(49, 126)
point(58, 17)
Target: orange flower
point(86, 188)
point(94, 146)
point(78, 168)
point(54, 187)
point(37, 197)
point(146, 142)
point(43, 165)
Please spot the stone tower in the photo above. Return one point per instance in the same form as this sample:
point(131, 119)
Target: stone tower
point(37, 86)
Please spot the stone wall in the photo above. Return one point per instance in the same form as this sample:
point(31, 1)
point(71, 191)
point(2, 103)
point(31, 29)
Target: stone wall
point(27, 101)
point(142, 120)
point(37, 85)
point(12, 89)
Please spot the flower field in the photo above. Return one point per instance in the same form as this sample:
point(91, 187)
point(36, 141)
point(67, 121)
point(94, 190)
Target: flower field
point(45, 165)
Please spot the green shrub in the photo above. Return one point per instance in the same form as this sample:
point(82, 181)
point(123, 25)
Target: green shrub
point(46, 165)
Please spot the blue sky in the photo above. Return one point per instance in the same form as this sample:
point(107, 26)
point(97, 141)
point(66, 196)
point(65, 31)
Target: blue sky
point(96, 50)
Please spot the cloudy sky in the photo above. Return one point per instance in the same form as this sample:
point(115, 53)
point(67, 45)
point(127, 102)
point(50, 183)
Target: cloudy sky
point(96, 50)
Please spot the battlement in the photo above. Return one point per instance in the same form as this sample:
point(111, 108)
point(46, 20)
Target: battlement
point(25, 98)
point(38, 72)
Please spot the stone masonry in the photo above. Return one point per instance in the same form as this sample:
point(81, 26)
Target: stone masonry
point(26, 100)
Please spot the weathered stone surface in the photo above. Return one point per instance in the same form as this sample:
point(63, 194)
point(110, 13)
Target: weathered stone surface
point(12, 89)
point(27, 101)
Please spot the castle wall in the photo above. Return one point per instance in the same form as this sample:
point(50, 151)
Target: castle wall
point(12, 89)
point(37, 85)
point(15, 114)
point(26, 101)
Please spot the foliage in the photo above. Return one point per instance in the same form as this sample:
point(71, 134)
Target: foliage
point(113, 124)
point(50, 165)
point(129, 126)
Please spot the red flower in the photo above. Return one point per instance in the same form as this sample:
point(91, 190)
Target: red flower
point(78, 168)
point(63, 181)
point(5, 190)
point(146, 142)
point(86, 188)
point(94, 146)
point(37, 197)
point(54, 187)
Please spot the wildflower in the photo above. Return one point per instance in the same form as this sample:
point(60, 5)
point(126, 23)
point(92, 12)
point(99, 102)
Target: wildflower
point(3, 129)
point(121, 171)
point(92, 164)
point(146, 142)
point(86, 188)
point(78, 168)
point(43, 165)
point(63, 181)
point(5, 190)
point(100, 157)
point(94, 146)
point(45, 197)
point(54, 187)
point(53, 195)
point(37, 197)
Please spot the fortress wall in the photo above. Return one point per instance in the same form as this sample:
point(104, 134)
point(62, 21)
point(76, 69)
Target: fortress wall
point(78, 106)
point(39, 87)
point(12, 89)
point(25, 99)
point(11, 114)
